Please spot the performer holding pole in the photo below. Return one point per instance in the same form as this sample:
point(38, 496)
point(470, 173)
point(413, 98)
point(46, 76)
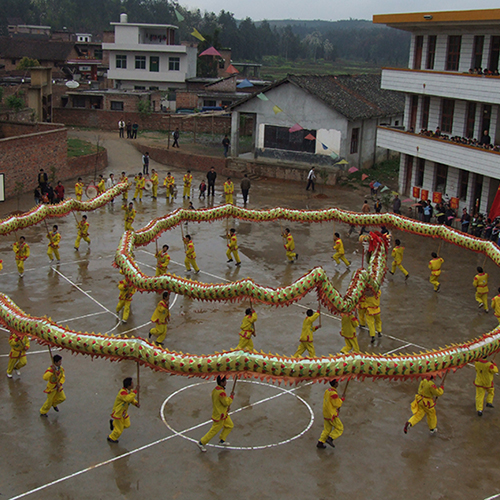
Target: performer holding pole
point(55, 378)
point(481, 285)
point(306, 336)
point(22, 251)
point(485, 371)
point(120, 419)
point(289, 245)
point(247, 330)
point(220, 415)
point(54, 240)
point(435, 267)
point(232, 247)
point(333, 427)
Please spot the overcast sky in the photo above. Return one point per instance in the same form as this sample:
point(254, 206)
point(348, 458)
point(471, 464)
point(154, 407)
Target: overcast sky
point(329, 10)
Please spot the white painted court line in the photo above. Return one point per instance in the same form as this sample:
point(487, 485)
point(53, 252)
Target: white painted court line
point(494, 496)
point(85, 293)
point(64, 263)
point(127, 454)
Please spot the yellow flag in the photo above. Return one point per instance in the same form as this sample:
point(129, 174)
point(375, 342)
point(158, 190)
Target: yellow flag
point(197, 34)
point(277, 110)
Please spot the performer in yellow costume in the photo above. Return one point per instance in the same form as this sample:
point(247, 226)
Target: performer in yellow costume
point(79, 189)
point(373, 321)
point(485, 371)
point(161, 317)
point(397, 255)
point(119, 416)
point(187, 180)
point(289, 246)
point(306, 336)
point(339, 254)
point(424, 404)
point(229, 190)
point(435, 267)
point(220, 417)
point(140, 182)
point(481, 284)
point(101, 185)
point(154, 181)
point(22, 251)
point(362, 312)
point(83, 232)
point(333, 427)
point(232, 247)
point(247, 330)
point(127, 291)
point(169, 183)
point(349, 325)
point(129, 216)
point(495, 305)
point(17, 356)
point(53, 249)
point(162, 261)
point(55, 378)
point(190, 259)
point(124, 178)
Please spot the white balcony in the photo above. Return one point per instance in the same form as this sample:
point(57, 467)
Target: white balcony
point(440, 151)
point(462, 86)
point(145, 47)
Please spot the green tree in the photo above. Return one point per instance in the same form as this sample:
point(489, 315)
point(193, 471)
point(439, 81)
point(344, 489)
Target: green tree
point(15, 103)
point(144, 107)
point(26, 63)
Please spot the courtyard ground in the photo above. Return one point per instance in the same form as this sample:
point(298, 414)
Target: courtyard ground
point(273, 450)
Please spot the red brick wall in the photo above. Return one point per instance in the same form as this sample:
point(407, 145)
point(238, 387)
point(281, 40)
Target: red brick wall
point(186, 100)
point(108, 120)
point(11, 129)
point(22, 157)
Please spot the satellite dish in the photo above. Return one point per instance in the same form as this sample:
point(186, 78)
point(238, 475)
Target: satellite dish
point(72, 84)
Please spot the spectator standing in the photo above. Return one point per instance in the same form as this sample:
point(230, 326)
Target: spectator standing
point(121, 128)
point(42, 180)
point(378, 206)
point(176, 136)
point(428, 211)
point(485, 139)
point(311, 178)
point(145, 163)
point(245, 188)
point(135, 128)
point(59, 190)
point(465, 220)
point(226, 143)
point(396, 205)
point(211, 177)
point(366, 208)
point(129, 130)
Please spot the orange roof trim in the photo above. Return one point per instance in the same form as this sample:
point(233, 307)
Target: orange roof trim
point(439, 17)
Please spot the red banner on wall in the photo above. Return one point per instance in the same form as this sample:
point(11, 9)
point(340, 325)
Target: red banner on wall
point(454, 203)
point(416, 192)
point(425, 194)
point(437, 197)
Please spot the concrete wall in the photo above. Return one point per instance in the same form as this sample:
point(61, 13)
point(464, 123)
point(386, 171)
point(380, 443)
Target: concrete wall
point(236, 167)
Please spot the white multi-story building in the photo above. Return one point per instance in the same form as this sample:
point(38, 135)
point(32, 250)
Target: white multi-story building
point(145, 57)
point(443, 92)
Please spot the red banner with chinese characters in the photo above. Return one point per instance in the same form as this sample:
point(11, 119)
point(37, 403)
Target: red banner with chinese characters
point(425, 194)
point(437, 197)
point(454, 203)
point(416, 192)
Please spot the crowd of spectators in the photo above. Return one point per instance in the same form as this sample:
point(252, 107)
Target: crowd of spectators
point(486, 72)
point(484, 142)
point(45, 193)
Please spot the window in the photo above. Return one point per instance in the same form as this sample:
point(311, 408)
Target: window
point(225, 104)
point(477, 53)
point(116, 105)
point(140, 62)
point(174, 63)
point(470, 120)
point(154, 64)
point(453, 55)
point(413, 112)
point(426, 104)
point(139, 87)
point(478, 189)
point(97, 53)
point(441, 177)
point(79, 101)
point(354, 140)
point(158, 88)
point(447, 109)
point(419, 177)
point(408, 173)
point(209, 103)
point(431, 52)
point(463, 184)
point(222, 64)
point(121, 61)
point(281, 138)
point(417, 59)
point(494, 53)
point(486, 121)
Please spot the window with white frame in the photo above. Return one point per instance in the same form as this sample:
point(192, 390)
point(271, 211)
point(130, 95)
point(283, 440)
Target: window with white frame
point(174, 63)
point(121, 61)
point(140, 62)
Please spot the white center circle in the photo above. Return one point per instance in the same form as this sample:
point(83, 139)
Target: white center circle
point(261, 447)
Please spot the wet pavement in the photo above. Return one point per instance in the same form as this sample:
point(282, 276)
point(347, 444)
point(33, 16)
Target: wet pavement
point(276, 428)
